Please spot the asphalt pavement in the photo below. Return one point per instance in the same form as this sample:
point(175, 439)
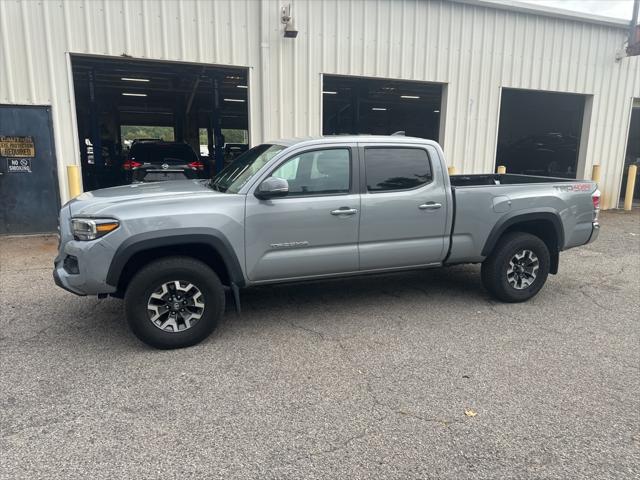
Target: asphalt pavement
point(353, 378)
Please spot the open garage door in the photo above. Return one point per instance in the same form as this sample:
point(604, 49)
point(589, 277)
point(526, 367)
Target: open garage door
point(632, 154)
point(357, 105)
point(540, 132)
point(122, 102)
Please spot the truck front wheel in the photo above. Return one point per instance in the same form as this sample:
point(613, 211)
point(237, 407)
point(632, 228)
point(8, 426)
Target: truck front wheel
point(517, 268)
point(174, 302)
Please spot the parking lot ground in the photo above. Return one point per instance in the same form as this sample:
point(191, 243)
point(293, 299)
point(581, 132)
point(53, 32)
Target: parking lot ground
point(352, 378)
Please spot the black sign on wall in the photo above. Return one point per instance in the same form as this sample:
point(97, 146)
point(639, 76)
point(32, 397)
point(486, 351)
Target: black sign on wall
point(18, 165)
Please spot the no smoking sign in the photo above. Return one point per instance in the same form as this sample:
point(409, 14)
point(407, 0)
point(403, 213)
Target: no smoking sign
point(18, 165)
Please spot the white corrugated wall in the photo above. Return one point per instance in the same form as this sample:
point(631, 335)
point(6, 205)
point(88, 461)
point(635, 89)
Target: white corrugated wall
point(473, 49)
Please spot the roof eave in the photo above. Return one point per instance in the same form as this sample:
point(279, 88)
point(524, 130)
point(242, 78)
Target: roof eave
point(516, 6)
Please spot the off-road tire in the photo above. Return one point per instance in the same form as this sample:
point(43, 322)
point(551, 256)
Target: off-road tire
point(497, 264)
point(166, 270)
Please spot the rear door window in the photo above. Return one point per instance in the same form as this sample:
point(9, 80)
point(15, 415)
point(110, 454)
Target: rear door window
point(172, 154)
point(396, 168)
point(175, 154)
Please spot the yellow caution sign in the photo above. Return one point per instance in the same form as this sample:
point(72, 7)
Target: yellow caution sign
point(17, 147)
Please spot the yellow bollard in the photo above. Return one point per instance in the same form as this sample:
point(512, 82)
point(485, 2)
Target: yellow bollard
point(595, 173)
point(502, 169)
point(451, 170)
point(631, 185)
point(73, 177)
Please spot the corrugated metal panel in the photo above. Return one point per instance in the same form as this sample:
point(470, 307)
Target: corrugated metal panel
point(473, 49)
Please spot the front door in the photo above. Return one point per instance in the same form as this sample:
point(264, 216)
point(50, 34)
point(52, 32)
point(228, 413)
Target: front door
point(404, 210)
point(313, 231)
point(29, 200)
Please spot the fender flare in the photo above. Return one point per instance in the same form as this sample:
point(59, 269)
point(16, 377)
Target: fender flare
point(510, 219)
point(172, 237)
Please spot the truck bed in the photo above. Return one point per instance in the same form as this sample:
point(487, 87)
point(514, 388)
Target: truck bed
point(483, 201)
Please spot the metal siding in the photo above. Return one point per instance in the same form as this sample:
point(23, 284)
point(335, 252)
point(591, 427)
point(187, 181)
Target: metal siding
point(474, 49)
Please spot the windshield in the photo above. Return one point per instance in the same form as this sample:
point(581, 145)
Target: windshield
point(234, 176)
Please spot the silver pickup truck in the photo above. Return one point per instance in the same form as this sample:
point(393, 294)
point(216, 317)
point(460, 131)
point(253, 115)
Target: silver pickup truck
point(303, 209)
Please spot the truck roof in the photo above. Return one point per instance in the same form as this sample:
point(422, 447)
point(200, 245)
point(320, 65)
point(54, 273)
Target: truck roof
point(350, 139)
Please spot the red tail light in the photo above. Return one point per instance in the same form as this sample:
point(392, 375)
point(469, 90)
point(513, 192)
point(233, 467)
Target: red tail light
point(131, 165)
point(196, 165)
point(595, 197)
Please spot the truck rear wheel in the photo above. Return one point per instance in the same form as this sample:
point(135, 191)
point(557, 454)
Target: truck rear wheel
point(517, 268)
point(174, 302)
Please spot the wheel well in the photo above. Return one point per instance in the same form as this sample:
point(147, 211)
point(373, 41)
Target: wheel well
point(200, 251)
point(545, 230)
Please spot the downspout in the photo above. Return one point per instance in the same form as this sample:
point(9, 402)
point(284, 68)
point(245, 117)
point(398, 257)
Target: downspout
point(264, 70)
point(633, 45)
point(634, 20)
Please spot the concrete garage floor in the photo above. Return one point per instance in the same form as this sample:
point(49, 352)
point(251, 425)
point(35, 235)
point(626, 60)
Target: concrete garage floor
point(357, 378)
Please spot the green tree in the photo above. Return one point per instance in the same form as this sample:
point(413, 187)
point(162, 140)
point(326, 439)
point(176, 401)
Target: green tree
point(132, 132)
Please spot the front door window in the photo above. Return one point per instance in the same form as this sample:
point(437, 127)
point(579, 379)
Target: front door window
point(319, 172)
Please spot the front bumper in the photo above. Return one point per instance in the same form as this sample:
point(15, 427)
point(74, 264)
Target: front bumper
point(595, 231)
point(58, 281)
point(91, 262)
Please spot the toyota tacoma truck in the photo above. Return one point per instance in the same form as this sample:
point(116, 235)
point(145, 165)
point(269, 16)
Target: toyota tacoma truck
point(295, 210)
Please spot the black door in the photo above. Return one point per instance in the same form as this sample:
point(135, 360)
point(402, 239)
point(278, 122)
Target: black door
point(29, 199)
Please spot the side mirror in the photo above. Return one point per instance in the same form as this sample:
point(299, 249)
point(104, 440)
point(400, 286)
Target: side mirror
point(272, 187)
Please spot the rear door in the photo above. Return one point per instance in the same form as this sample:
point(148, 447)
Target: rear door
point(313, 231)
point(404, 214)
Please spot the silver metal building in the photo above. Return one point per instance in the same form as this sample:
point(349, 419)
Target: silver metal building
point(472, 50)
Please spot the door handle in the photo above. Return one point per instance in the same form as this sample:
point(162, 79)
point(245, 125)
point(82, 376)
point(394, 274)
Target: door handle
point(344, 211)
point(430, 206)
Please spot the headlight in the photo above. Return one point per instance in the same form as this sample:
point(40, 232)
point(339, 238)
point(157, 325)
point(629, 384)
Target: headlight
point(90, 229)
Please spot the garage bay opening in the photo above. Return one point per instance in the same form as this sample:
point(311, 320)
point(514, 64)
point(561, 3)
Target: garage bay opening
point(539, 132)
point(632, 155)
point(358, 105)
point(186, 119)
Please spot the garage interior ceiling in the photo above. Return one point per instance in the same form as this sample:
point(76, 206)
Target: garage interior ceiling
point(357, 105)
point(169, 85)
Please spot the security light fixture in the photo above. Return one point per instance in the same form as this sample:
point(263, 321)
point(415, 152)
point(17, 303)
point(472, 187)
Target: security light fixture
point(242, 86)
point(134, 94)
point(286, 18)
point(290, 31)
point(379, 109)
point(409, 96)
point(436, 111)
point(240, 100)
point(328, 92)
point(130, 79)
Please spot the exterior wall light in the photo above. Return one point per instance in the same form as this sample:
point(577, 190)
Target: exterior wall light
point(286, 18)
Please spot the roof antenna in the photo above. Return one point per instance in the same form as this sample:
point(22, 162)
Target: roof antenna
point(399, 133)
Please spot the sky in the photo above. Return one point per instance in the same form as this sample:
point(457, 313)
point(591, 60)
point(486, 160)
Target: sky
point(606, 8)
